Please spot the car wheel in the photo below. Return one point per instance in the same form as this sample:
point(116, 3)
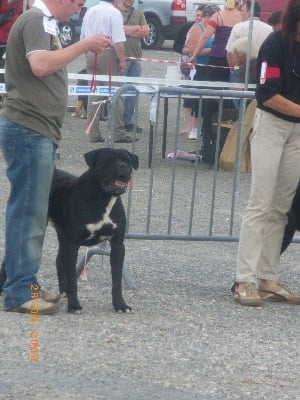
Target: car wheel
point(66, 34)
point(155, 39)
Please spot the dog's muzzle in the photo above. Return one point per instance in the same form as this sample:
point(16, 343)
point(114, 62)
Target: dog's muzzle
point(116, 188)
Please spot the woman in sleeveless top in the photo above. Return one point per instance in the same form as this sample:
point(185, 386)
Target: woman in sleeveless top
point(220, 25)
point(191, 41)
point(201, 67)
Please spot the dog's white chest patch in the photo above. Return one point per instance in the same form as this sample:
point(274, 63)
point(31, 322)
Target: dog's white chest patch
point(106, 220)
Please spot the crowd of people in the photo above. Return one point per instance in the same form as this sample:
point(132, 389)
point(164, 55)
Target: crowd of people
point(220, 32)
point(218, 42)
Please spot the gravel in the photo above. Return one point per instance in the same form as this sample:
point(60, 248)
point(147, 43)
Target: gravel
point(186, 338)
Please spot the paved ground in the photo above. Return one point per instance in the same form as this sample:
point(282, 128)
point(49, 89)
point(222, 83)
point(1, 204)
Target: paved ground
point(186, 339)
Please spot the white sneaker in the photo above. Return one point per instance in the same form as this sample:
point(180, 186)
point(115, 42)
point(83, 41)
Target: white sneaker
point(193, 134)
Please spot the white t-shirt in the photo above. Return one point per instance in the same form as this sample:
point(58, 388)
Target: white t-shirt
point(106, 19)
point(260, 32)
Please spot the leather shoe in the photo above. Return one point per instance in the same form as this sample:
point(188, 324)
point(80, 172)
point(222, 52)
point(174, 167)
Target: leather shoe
point(126, 139)
point(130, 128)
point(99, 139)
point(36, 306)
point(278, 292)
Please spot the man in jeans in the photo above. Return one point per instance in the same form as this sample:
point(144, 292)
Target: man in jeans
point(135, 27)
point(30, 129)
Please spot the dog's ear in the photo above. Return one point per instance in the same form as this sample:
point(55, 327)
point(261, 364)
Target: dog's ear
point(134, 159)
point(91, 157)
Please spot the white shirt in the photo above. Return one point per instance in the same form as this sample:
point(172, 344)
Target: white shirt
point(106, 19)
point(260, 31)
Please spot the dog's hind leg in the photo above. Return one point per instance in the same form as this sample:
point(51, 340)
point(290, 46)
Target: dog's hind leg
point(117, 255)
point(66, 272)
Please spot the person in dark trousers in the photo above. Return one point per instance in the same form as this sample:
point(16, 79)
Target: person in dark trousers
point(136, 28)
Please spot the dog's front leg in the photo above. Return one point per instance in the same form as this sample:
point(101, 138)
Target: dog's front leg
point(66, 272)
point(117, 255)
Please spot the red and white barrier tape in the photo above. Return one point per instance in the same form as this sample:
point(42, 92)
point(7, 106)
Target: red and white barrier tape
point(174, 62)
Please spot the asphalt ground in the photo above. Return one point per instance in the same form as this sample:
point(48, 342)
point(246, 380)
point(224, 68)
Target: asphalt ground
point(185, 339)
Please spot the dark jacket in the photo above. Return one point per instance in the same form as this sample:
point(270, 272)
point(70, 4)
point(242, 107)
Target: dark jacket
point(278, 72)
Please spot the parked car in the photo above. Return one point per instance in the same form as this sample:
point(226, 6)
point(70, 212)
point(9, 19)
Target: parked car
point(267, 7)
point(69, 31)
point(166, 17)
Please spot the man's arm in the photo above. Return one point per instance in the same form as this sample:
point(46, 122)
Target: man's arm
point(44, 63)
point(283, 105)
point(119, 49)
point(136, 31)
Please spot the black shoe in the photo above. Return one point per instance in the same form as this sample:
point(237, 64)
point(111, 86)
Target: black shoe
point(126, 139)
point(130, 128)
point(99, 139)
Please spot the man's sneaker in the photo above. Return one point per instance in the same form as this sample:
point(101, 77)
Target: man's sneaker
point(36, 306)
point(277, 292)
point(246, 294)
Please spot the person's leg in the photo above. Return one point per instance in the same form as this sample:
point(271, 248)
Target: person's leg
point(269, 288)
point(133, 69)
point(109, 63)
point(187, 117)
point(92, 108)
point(267, 143)
point(287, 182)
point(30, 159)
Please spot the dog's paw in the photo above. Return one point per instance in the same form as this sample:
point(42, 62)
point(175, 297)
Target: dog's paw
point(78, 311)
point(124, 308)
point(75, 309)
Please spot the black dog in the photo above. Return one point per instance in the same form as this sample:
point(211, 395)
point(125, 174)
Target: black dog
point(293, 224)
point(86, 210)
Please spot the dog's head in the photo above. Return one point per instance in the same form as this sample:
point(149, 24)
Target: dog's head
point(112, 168)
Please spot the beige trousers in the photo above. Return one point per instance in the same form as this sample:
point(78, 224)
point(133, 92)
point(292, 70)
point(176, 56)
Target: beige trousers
point(275, 158)
point(103, 69)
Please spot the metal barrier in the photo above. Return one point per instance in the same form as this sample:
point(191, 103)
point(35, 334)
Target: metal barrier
point(191, 231)
point(181, 200)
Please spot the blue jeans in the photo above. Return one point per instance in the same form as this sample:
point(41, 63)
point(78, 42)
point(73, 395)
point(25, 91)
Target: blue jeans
point(30, 159)
point(133, 69)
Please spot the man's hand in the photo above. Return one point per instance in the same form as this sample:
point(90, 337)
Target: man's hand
point(98, 43)
point(122, 67)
